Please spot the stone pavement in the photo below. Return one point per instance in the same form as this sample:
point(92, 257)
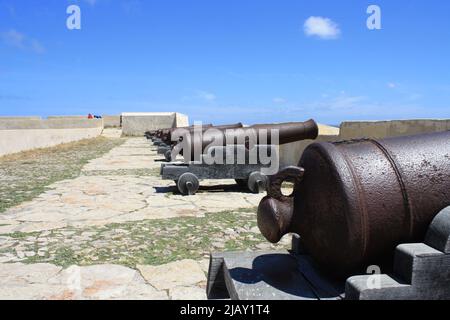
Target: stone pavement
point(49, 282)
point(122, 186)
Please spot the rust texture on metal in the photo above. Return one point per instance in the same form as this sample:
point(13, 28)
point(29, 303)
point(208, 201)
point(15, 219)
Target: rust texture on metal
point(355, 201)
point(167, 135)
point(203, 128)
point(253, 135)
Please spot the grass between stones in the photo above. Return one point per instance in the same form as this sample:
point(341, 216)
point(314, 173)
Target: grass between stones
point(152, 242)
point(27, 174)
point(155, 172)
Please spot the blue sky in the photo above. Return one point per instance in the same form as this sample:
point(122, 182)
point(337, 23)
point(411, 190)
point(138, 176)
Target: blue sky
point(227, 60)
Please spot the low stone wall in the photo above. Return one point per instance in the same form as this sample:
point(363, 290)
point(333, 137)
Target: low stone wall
point(23, 118)
point(22, 134)
point(109, 121)
point(136, 124)
point(67, 117)
point(290, 154)
point(112, 121)
point(53, 123)
point(394, 128)
point(181, 120)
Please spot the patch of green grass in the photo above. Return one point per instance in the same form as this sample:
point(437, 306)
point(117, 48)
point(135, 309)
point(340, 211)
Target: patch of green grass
point(154, 242)
point(122, 172)
point(25, 175)
point(22, 235)
point(64, 257)
point(156, 172)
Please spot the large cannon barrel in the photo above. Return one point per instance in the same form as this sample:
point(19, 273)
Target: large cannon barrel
point(261, 134)
point(202, 128)
point(205, 127)
point(354, 202)
point(160, 132)
point(228, 126)
point(151, 132)
point(167, 136)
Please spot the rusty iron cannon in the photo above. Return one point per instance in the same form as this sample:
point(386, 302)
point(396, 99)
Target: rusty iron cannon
point(198, 142)
point(166, 135)
point(163, 136)
point(150, 134)
point(155, 135)
point(196, 129)
point(233, 156)
point(354, 202)
point(176, 135)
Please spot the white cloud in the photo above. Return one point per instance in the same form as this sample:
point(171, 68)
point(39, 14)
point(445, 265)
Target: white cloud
point(37, 47)
point(279, 100)
point(323, 28)
point(343, 102)
point(19, 40)
point(392, 85)
point(207, 96)
point(13, 38)
point(342, 106)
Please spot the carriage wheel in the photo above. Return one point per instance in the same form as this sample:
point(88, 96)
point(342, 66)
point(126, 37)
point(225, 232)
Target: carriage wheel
point(188, 184)
point(257, 182)
point(168, 155)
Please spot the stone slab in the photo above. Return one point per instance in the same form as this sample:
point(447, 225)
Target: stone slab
point(187, 293)
point(421, 270)
point(99, 282)
point(182, 273)
point(266, 275)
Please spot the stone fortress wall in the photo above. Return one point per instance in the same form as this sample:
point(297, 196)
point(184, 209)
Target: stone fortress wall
point(26, 133)
point(394, 128)
point(137, 123)
point(22, 134)
point(19, 134)
point(290, 154)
